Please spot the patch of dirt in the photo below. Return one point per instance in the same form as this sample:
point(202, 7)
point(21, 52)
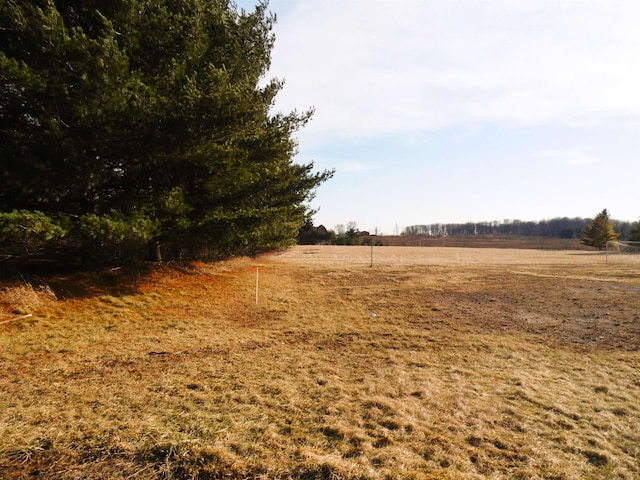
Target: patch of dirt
point(567, 297)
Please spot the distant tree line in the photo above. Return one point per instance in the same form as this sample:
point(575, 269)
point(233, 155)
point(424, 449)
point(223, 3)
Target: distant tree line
point(592, 231)
point(348, 234)
point(309, 234)
point(557, 227)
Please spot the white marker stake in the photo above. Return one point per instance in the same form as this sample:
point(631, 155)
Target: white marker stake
point(256, 285)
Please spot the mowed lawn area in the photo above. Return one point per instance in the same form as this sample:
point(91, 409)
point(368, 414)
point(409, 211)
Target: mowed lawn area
point(327, 362)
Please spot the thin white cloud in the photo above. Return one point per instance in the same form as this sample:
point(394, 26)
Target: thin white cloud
point(566, 157)
point(458, 110)
point(371, 66)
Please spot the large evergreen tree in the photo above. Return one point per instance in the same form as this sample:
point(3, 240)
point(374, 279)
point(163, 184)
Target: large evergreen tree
point(600, 231)
point(138, 125)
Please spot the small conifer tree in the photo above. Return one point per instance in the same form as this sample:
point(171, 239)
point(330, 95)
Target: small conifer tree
point(600, 231)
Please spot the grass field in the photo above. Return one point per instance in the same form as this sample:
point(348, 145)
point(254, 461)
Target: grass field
point(434, 363)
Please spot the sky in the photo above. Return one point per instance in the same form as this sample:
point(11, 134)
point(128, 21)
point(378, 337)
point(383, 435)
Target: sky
point(455, 111)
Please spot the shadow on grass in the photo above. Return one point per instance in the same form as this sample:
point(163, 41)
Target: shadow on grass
point(72, 280)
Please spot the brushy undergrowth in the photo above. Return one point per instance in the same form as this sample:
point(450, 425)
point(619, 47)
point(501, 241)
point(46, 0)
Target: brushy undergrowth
point(464, 372)
point(22, 298)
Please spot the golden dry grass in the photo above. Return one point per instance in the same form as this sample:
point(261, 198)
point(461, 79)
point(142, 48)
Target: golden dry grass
point(477, 364)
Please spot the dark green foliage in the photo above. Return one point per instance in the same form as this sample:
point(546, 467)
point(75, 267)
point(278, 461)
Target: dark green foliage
point(634, 236)
point(148, 127)
point(115, 237)
point(348, 236)
point(24, 232)
point(600, 231)
point(309, 234)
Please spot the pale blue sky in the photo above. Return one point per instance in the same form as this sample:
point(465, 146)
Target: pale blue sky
point(464, 110)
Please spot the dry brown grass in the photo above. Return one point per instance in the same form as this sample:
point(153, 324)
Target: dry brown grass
point(476, 365)
point(21, 298)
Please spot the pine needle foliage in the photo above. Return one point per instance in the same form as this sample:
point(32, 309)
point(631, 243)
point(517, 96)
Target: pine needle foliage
point(600, 231)
point(139, 126)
